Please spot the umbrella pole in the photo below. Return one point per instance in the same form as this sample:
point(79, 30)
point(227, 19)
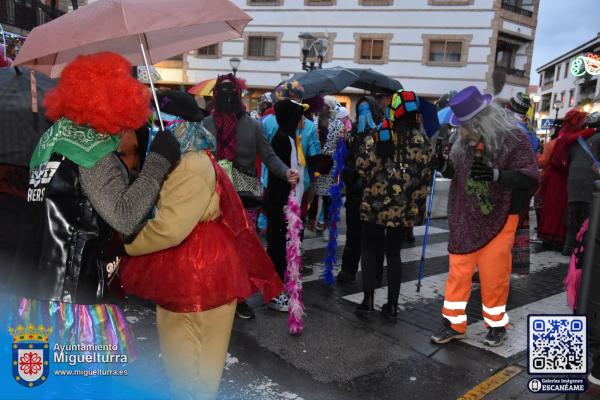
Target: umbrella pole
point(162, 126)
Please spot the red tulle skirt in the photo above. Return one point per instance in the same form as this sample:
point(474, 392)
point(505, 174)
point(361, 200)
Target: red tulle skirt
point(220, 261)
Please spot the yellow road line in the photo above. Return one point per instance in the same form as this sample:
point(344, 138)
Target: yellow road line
point(492, 383)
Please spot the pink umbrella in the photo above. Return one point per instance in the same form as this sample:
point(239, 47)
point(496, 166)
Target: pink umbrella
point(143, 31)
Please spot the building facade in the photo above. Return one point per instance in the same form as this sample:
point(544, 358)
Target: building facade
point(559, 90)
point(430, 46)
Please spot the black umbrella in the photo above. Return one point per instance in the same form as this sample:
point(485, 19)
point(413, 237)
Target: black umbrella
point(325, 81)
point(369, 79)
point(20, 128)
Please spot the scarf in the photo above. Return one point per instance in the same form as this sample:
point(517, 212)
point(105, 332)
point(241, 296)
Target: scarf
point(226, 124)
point(81, 144)
point(365, 118)
point(192, 136)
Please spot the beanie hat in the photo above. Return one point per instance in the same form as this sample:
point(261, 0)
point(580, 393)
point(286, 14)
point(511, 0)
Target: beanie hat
point(520, 103)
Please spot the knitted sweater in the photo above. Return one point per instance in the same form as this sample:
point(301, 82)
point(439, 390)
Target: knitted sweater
point(470, 230)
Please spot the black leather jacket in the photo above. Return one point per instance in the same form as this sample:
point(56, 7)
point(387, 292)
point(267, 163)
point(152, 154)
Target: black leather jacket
point(65, 246)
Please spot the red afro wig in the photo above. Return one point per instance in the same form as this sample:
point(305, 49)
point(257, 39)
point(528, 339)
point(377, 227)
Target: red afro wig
point(98, 90)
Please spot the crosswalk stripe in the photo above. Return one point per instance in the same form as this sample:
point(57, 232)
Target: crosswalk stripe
point(317, 243)
point(408, 255)
point(516, 341)
point(433, 288)
point(433, 285)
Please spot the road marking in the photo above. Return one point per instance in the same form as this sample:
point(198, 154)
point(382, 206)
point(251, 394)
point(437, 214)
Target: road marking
point(492, 383)
point(408, 255)
point(311, 242)
point(516, 342)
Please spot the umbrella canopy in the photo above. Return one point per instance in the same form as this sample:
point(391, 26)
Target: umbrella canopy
point(325, 81)
point(369, 79)
point(20, 128)
point(144, 77)
point(166, 27)
point(204, 88)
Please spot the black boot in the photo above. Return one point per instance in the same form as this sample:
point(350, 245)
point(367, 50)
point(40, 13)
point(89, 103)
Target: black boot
point(389, 311)
point(366, 308)
point(410, 236)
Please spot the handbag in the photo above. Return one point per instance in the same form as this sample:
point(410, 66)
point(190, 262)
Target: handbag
point(243, 182)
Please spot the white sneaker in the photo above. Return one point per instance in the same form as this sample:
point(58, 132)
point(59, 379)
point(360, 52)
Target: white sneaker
point(280, 303)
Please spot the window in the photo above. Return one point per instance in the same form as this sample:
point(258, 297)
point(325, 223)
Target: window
point(562, 98)
point(450, 2)
point(312, 55)
point(213, 51)
point(558, 71)
point(566, 69)
point(262, 46)
point(376, 2)
point(372, 48)
point(571, 97)
point(265, 2)
point(319, 2)
point(446, 50)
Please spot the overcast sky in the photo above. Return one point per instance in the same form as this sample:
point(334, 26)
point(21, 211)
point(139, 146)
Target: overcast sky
point(562, 26)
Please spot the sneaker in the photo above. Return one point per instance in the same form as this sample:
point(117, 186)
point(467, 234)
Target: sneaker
point(447, 334)
point(345, 277)
point(280, 303)
point(306, 271)
point(244, 311)
point(495, 337)
point(320, 227)
point(594, 376)
point(326, 235)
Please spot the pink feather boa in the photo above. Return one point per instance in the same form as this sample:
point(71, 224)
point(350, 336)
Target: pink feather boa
point(293, 284)
point(573, 279)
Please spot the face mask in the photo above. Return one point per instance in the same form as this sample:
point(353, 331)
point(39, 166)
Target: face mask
point(227, 99)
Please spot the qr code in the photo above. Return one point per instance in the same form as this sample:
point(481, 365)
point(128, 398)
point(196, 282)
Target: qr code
point(557, 344)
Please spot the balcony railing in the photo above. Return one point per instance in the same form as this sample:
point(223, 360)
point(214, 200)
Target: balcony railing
point(516, 9)
point(511, 71)
point(26, 14)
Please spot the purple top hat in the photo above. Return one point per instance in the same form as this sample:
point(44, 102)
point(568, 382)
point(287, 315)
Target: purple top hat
point(468, 103)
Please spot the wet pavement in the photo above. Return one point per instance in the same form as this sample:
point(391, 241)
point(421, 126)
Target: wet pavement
point(341, 356)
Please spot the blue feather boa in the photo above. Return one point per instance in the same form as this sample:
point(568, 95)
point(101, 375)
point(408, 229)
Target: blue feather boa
point(341, 152)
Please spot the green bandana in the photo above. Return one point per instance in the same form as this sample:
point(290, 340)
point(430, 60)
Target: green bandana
point(80, 144)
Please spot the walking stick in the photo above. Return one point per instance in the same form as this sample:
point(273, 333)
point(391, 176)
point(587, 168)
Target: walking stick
point(429, 207)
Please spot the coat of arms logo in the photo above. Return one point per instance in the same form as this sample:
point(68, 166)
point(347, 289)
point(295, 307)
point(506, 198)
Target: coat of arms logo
point(30, 354)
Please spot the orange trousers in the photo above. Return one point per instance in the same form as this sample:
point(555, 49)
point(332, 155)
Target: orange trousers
point(494, 262)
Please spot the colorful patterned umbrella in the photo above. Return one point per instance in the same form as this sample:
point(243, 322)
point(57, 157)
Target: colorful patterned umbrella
point(203, 88)
point(142, 74)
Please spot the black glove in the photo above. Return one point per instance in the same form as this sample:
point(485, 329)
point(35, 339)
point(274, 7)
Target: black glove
point(482, 172)
point(166, 145)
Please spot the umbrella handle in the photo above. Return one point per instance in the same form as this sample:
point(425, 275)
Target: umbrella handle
point(162, 126)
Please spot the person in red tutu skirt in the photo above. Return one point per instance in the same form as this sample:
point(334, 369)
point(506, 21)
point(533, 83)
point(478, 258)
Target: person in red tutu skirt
point(196, 258)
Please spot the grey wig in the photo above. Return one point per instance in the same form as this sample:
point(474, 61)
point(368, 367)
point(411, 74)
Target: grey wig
point(493, 124)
